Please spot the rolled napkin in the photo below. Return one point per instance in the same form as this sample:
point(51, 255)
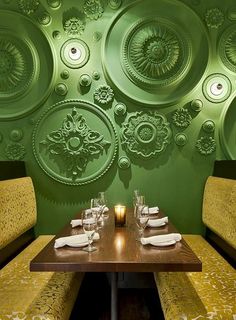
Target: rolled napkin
point(162, 238)
point(74, 241)
point(78, 222)
point(152, 210)
point(157, 222)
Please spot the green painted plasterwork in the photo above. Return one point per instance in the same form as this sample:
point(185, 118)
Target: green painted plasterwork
point(112, 95)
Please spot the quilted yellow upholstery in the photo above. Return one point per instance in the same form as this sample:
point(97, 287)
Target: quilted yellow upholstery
point(219, 208)
point(17, 209)
point(210, 294)
point(26, 295)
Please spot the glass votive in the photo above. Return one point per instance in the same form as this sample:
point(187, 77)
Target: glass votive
point(120, 215)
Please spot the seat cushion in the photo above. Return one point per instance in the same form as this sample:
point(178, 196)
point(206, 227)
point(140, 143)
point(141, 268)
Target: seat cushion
point(36, 295)
point(209, 294)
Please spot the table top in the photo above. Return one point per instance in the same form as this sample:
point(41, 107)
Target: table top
point(118, 251)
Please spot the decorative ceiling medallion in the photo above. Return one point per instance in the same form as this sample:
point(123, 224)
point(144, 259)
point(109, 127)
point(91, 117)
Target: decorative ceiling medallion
point(206, 145)
point(124, 163)
point(103, 94)
point(74, 26)
point(227, 48)
point(16, 135)
point(16, 66)
point(75, 53)
point(146, 134)
point(196, 105)
point(93, 9)
point(208, 126)
point(28, 6)
point(26, 66)
point(120, 109)
point(15, 151)
point(54, 4)
point(114, 4)
point(228, 130)
point(75, 142)
point(182, 118)
point(214, 18)
point(85, 80)
point(154, 52)
point(217, 88)
point(44, 18)
point(61, 89)
point(158, 59)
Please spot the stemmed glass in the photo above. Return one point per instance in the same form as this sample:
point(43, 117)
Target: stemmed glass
point(142, 217)
point(102, 202)
point(97, 210)
point(89, 223)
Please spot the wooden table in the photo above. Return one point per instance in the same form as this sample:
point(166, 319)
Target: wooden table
point(118, 251)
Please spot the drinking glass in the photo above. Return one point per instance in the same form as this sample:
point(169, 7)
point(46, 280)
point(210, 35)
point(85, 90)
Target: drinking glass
point(103, 202)
point(89, 223)
point(97, 210)
point(142, 218)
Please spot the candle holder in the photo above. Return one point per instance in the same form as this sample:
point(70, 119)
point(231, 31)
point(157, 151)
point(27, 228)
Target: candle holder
point(120, 215)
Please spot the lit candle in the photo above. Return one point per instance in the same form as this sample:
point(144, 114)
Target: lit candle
point(120, 215)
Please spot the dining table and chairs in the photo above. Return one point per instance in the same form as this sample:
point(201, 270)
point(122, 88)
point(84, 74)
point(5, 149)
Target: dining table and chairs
point(116, 240)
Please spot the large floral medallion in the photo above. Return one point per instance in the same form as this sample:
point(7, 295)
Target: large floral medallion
point(154, 52)
point(26, 64)
point(158, 57)
point(75, 142)
point(93, 9)
point(74, 26)
point(182, 118)
point(227, 48)
point(146, 134)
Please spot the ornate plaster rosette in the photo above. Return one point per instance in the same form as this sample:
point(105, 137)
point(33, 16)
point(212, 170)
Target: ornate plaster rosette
point(74, 26)
point(93, 9)
point(182, 118)
point(16, 135)
point(181, 139)
point(206, 145)
point(28, 6)
point(146, 134)
point(214, 18)
point(124, 163)
point(75, 142)
point(227, 48)
point(15, 151)
point(26, 66)
point(155, 52)
point(104, 94)
point(208, 126)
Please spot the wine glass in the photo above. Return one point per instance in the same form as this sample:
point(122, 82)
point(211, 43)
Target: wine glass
point(142, 218)
point(89, 223)
point(103, 202)
point(97, 210)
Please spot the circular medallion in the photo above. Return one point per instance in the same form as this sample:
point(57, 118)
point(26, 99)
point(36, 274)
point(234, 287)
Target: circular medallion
point(217, 88)
point(75, 142)
point(181, 139)
point(75, 53)
point(227, 48)
point(26, 66)
point(160, 58)
point(124, 163)
point(228, 131)
point(146, 134)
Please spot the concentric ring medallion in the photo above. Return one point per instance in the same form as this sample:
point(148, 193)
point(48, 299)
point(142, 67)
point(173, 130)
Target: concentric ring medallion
point(161, 58)
point(75, 53)
point(25, 72)
point(75, 142)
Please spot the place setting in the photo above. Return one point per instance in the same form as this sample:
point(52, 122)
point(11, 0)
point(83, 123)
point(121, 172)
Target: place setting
point(91, 221)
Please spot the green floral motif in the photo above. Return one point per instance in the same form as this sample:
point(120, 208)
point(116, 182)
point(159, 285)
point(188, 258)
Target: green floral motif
point(93, 9)
point(146, 134)
point(214, 18)
point(74, 26)
point(15, 151)
point(12, 66)
point(230, 48)
point(104, 94)
point(182, 118)
point(74, 144)
point(206, 145)
point(28, 6)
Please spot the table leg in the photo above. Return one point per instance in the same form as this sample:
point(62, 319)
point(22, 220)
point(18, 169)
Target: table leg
point(114, 310)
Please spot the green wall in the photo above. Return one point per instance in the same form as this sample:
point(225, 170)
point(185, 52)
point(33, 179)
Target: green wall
point(118, 95)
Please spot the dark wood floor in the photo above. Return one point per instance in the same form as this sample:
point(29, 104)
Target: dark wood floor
point(134, 304)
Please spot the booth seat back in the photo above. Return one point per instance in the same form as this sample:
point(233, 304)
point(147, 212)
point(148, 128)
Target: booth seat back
point(17, 209)
point(219, 208)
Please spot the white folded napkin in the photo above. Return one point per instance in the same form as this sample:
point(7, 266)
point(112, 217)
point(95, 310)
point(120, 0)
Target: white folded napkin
point(74, 241)
point(152, 210)
point(162, 238)
point(157, 222)
point(78, 222)
point(98, 209)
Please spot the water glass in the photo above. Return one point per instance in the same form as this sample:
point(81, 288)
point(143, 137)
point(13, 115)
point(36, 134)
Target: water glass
point(141, 218)
point(89, 223)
